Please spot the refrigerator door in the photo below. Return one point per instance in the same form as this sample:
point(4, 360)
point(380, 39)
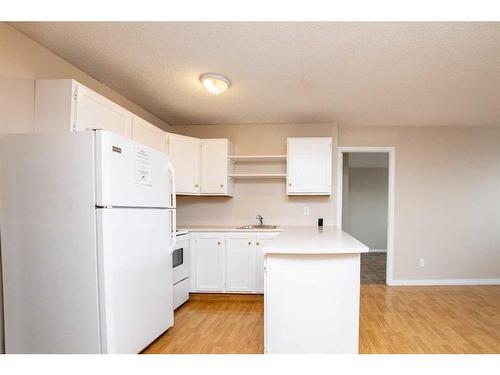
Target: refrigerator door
point(135, 277)
point(129, 174)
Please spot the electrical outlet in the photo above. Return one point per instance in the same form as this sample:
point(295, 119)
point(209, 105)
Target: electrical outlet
point(421, 262)
point(306, 210)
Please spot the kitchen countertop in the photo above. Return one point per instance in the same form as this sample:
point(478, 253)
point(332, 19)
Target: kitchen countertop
point(224, 228)
point(314, 240)
point(296, 239)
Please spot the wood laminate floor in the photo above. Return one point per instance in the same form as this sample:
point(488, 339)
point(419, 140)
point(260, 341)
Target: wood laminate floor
point(373, 267)
point(448, 319)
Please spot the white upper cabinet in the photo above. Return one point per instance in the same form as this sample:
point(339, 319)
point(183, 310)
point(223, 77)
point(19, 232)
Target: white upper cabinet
point(185, 156)
point(65, 104)
point(201, 165)
point(239, 263)
point(215, 167)
point(309, 166)
point(94, 111)
point(148, 134)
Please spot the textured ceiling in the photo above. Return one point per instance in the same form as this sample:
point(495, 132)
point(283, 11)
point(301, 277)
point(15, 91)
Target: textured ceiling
point(346, 73)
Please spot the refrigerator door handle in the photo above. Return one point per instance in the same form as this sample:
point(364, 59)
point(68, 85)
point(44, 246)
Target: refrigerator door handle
point(173, 227)
point(173, 197)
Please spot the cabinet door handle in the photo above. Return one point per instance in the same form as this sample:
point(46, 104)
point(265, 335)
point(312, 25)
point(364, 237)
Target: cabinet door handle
point(258, 244)
point(249, 243)
point(196, 185)
point(218, 243)
point(289, 184)
point(221, 185)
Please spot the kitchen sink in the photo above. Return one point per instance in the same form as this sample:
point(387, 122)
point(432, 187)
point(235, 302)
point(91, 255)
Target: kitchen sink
point(258, 226)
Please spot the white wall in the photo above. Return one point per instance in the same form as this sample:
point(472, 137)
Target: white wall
point(366, 214)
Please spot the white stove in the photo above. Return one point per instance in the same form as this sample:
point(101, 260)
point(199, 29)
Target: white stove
point(181, 267)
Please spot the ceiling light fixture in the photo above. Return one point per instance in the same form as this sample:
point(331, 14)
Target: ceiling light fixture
point(215, 83)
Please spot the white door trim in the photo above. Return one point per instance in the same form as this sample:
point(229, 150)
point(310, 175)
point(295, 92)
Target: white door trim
point(390, 208)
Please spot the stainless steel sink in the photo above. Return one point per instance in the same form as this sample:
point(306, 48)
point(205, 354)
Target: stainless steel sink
point(258, 226)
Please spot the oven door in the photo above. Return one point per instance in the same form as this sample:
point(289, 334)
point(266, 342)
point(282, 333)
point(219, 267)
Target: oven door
point(180, 259)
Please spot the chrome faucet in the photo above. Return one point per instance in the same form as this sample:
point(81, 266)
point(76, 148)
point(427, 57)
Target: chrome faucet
point(261, 219)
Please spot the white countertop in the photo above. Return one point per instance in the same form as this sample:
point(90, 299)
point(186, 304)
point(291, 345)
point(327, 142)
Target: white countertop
point(296, 239)
point(224, 228)
point(314, 240)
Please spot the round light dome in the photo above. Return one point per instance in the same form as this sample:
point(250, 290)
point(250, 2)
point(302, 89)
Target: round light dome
point(215, 84)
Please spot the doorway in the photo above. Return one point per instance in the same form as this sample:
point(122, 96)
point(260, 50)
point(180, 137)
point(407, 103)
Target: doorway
point(365, 206)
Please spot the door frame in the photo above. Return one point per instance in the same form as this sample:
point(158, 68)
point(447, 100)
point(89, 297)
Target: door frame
point(390, 203)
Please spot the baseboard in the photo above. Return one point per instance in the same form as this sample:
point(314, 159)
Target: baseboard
point(446, 282)
point(378, 251)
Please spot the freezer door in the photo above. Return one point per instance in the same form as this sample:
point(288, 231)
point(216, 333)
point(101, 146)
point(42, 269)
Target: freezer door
point(129, 174)
point(135, 277)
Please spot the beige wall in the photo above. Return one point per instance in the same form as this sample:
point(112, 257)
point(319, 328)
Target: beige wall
point(446, 195)
point(17, 105)
point(21, 57)
point(265, 197)
point(365, 217)
point(447, 198)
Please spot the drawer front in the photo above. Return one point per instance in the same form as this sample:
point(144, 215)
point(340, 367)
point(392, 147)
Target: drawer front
point(181, 292)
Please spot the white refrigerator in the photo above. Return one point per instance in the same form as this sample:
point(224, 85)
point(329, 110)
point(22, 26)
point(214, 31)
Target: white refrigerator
point(87, 223)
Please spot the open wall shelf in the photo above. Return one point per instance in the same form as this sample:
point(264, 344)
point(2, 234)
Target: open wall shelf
point(257, 175)
point(256, 158)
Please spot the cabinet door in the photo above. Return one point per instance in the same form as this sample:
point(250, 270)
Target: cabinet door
point(261, 240)
point(309, 166)
point(148, 134)
point(240, 249)
point(185, 156)
point(94, 111)
point(209, 258)
point(214, 166)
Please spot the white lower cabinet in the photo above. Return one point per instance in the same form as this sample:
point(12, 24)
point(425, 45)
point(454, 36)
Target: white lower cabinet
point(208, 261)
point(239, 262)
point(261, 240)
point(230, 262)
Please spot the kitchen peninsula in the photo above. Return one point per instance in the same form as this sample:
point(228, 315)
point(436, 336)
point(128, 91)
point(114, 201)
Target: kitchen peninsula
point(312, 291)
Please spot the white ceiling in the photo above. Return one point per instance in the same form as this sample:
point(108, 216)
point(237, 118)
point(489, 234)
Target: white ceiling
point(346, 73)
